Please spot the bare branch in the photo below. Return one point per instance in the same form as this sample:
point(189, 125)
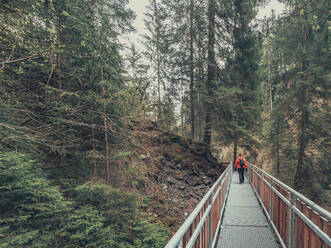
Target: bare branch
point(16, 60)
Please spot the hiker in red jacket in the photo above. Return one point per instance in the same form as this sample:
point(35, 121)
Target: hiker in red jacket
point(241, 165)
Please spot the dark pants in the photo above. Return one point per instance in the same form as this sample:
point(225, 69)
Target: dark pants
point(241, 174)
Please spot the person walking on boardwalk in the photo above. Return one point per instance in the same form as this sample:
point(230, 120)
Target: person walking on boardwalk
point(241, 165)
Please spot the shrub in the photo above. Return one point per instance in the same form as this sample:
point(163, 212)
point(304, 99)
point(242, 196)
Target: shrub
point(122, 217)
point(31, 208)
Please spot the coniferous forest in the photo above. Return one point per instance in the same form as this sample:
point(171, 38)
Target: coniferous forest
point(86, 115)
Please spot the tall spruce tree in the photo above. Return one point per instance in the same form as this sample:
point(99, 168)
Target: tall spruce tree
point(300, 38)
point(49, 102)
point(245, 75)
point(211, 70)
point(156, 43)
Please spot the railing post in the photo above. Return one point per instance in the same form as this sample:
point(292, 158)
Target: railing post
point(211, 221)
point(220, 196)
point(262, 188)
point(271, 200)
point(292, 221)
point(257, 182)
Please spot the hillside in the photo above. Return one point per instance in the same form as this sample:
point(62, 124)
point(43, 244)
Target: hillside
point(153, 187)
point(178, 172)
point(168, 173)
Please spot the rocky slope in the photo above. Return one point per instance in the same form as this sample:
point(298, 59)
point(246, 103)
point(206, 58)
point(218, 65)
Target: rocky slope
point(179, 172)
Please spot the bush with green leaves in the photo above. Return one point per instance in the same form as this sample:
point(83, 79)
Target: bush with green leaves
point(31, 208)
point(103, 211)
point(35, 214)
point(85, 228)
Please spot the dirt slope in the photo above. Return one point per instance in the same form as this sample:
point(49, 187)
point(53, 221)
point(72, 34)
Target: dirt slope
point(179, 172)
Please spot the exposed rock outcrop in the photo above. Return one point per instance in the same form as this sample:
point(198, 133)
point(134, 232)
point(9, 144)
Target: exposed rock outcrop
point(179, 171)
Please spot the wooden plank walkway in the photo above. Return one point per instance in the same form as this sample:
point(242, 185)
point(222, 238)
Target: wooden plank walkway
point(244, 223)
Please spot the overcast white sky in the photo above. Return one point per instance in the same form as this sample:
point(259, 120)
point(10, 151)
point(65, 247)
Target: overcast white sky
point(139, 7)
point(273, 5)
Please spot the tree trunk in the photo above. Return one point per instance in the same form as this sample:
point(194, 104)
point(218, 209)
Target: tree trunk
point(207, 134)
point(199, 119)
point(58, 37)
point(192, 70)
point(278, 157)
point(158, 60)
point(94, 162)
point(199, 101)
point(270, 97)
point(298, 180)
point(211, 69)
point(103, 96)
point(182, 107)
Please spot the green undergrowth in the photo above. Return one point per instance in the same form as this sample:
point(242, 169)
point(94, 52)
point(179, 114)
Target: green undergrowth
point(37, 213)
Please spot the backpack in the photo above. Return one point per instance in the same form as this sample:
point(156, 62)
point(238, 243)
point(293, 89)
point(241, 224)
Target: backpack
point(241, 163)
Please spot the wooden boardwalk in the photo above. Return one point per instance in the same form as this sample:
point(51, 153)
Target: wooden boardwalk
point(244, 223)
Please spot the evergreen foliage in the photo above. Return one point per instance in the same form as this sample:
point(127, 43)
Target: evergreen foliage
point(31, 208)
point(298, 86)
point(35, 214)
point(112, 219)
point(85, 228)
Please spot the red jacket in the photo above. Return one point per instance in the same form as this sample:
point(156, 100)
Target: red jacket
point(237, 165)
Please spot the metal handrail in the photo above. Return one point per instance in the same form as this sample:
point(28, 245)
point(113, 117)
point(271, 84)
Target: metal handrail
point(293, 195)
point(304, 199)
point(177, 239)
point(290, 199)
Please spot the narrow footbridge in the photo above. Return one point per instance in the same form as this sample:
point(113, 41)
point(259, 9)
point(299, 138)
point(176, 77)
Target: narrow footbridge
point(262, 212)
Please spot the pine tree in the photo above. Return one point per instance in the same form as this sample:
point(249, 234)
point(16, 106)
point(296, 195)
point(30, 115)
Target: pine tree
point(47, 115)
point(300, 44)
point(156, 46)
point(211, 70)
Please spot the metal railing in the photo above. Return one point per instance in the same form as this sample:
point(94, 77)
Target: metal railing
point(297, 221)
point(200, 229)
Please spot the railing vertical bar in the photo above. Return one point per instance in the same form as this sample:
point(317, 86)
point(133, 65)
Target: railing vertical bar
point(262, 189)
point(257, 182)
point(292, 221)
point(271, 200)
point(210, 234)
point(220, 195)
